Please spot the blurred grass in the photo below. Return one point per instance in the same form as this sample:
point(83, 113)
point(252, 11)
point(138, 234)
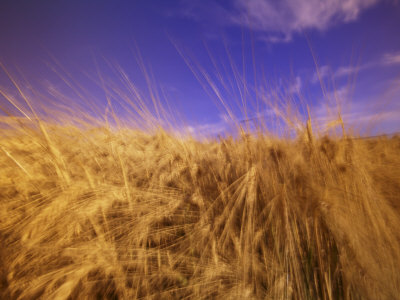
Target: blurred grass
point(91, 213)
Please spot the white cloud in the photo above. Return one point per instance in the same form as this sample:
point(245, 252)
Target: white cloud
point(387, 60)
point(211, 129)
point(206, 11)
point(369, 114)
point(323, 72)
point(278, 20)
point(350, 70)
point(391, 58)
point(276, 38)
point(281, 19)
point(342, 71)
point(365, 119)
point(207, 129)
point(296, 86)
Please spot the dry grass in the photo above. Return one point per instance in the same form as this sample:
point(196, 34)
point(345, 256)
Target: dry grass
point(100, 214)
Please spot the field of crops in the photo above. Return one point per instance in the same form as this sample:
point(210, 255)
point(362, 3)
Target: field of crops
point(93, 213)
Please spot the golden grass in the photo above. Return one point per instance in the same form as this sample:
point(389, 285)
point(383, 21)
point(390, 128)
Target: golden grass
point(100, 214)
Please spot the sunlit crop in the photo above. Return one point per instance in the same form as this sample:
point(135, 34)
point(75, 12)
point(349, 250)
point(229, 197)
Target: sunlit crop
point(94, 212)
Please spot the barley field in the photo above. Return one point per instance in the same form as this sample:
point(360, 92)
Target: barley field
point(87, 212)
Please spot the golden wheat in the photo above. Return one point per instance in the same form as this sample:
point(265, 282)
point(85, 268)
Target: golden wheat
point(91, 213)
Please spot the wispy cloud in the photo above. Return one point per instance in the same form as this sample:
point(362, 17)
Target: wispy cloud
point(295, 87)
point(282, 88)
point(342, 71)
point(277, 21)
point(364, 113)
point(389, 59)
point(206, 129)
point(211, 129)
point(364, 118)
point(281, 19)
point(205, 11)
point(321, 73)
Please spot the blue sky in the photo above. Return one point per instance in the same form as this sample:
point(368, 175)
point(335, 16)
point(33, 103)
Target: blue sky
point(196, 51)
